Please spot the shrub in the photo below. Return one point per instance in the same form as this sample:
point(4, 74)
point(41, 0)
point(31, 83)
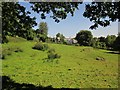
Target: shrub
point(52, 54)
point(40, 46)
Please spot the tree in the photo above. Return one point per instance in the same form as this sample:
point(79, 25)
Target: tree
point(30, 34)
point(59, 10)
point(84, 37)
point(110, 40)
point(116, 44)
point(43, 28)
point(93, 42)
point(42, 31)
point(15, 20)
point(102, 39)
point(60, 38)
point(100, 13)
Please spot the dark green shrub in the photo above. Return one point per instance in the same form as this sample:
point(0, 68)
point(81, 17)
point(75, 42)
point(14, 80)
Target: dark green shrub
point(52, 54)
point(40, 46)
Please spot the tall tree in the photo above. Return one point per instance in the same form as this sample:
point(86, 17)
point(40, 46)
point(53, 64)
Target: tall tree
point(42, 31)
point(43, 28)
point(84, 37)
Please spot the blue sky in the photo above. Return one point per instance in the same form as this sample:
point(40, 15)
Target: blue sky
point(72, 25)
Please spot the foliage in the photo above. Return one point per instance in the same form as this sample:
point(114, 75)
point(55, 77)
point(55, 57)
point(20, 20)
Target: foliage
point(116, 44)
point(42, 31)
point(52, 54)
point(59, 10)
point(102, 13)
point(100, 45)
point(43, 28)
point(60, 38)
point(110, 40)
point(15, 20)
point(84, 37)
point(93, 42)
point(101, 39)
point(30, 34)
point(40, 46)
point(41, 37)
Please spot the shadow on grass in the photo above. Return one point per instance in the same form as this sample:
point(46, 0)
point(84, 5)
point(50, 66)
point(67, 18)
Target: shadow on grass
point(8, 84)
point(113, 52)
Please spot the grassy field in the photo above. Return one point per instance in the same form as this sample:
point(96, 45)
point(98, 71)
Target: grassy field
point(77, 67)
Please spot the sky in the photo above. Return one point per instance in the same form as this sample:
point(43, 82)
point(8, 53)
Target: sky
point(72, 25)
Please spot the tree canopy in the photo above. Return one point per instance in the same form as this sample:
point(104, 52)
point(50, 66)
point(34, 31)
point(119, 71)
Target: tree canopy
point(84, 37)
point(100, 13)
point(15, 20)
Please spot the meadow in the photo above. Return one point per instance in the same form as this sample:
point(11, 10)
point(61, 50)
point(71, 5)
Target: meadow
point(77, 67)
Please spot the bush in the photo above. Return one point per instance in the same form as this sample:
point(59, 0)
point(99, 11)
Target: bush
point(40, 46)
point(52, 54)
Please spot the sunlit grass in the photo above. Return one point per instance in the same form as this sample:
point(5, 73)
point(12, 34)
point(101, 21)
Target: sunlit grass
point(77, 68)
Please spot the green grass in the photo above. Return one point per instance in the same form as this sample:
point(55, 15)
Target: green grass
point(77, 68)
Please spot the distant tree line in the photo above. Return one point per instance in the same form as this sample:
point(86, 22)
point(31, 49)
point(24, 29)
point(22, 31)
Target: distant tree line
point(111, 42)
